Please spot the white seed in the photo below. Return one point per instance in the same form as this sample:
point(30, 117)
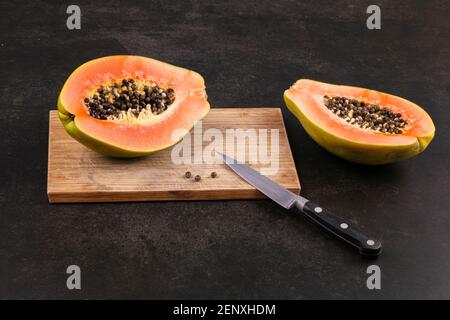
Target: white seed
point(350, 114)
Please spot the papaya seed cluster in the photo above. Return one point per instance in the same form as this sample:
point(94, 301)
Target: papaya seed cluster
point(127, 96)
point(365, 115)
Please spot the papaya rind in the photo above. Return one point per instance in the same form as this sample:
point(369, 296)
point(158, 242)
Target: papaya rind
point(364, 153)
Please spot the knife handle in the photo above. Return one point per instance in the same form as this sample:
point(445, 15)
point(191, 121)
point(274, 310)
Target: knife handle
point(368, 247)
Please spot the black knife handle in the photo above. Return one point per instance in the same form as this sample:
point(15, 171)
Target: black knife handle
point(368, 247)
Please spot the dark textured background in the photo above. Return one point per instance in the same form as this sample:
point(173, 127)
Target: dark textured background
point(248, 52)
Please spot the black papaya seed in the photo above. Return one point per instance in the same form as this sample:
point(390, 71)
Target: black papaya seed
point(123, 95)
point(365, 115)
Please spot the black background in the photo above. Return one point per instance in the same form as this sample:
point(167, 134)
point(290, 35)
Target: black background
point(249, 52)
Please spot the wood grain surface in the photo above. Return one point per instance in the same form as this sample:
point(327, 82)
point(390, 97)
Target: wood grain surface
point(77, 174)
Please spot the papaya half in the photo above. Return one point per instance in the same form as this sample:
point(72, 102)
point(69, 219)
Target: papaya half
point(360, 125)
point(131, 106)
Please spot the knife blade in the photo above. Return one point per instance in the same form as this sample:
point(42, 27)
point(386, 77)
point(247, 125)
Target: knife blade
point(368, 247)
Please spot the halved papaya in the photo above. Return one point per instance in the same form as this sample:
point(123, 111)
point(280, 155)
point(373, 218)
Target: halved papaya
point(360, 125)
point(130, 106)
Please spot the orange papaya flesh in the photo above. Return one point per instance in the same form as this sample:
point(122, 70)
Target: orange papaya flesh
point(305, 99)
point(131, 136)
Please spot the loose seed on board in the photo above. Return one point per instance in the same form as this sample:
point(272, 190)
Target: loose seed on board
point(366, 116)
point(188, 174)
point(197, 178)
point(213, 174)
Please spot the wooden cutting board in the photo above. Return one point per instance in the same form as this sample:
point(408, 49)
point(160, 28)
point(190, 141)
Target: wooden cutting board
point(77, 174)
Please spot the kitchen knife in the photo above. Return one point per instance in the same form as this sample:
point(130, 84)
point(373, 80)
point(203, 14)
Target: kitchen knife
point(368, 247)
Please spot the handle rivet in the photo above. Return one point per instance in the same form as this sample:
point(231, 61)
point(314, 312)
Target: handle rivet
point(370, 242)
point(318, 209)
point(344, 226)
